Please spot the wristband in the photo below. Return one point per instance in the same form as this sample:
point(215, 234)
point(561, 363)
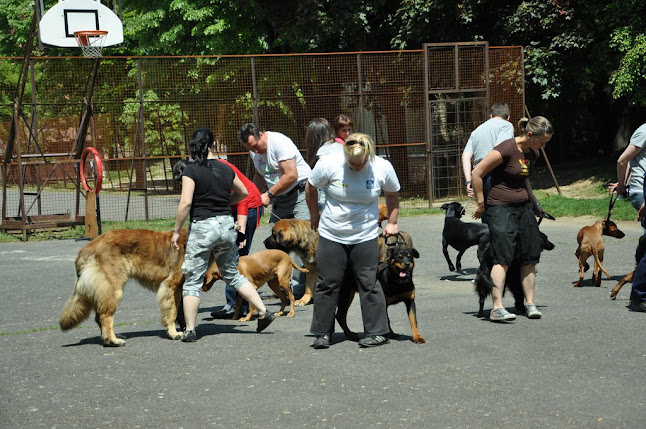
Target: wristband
point(270, 195)
point(468, 182)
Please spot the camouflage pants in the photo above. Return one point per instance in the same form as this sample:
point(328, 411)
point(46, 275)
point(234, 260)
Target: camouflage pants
point(217, 236)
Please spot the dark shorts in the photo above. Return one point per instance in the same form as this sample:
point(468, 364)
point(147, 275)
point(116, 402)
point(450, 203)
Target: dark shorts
point(514, 234)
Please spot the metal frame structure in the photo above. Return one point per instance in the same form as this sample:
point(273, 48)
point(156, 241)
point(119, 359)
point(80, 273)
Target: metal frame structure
point(26, 221)
point(462, 88)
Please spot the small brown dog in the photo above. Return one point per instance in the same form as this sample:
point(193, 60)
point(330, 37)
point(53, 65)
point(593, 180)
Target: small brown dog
point(273, 267)
point(591, 244)
point(296, 235)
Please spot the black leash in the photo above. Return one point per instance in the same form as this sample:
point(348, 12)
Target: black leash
point(611, 204)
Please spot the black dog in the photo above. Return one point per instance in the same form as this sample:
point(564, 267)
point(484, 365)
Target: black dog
point(461, 235)
point(483, 283)
point(396, 278)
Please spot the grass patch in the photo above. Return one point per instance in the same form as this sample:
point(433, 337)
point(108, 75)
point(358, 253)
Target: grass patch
point(559, 206)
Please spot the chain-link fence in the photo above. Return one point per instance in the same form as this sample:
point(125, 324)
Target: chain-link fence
point(146, 108)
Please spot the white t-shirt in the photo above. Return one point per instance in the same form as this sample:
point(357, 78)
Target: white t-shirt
point(351, 212)
point(638, 163)
point(329, 148)
point(279, 148)
point(487, 135)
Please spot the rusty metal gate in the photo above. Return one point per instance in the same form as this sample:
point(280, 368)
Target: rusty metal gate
point(420, 107)
point(462, 81)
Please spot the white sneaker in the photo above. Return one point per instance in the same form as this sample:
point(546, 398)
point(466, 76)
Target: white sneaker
point(501, 315)
point(532, 312)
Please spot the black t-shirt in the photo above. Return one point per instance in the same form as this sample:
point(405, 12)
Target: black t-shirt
point(213, 183)
point(508, 179)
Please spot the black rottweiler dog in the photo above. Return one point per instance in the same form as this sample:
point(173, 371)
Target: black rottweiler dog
point(396, 278)
point(461, 235)
point(483, 283)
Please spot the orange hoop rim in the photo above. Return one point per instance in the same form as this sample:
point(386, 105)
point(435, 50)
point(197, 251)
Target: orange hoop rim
point(98, 164)
point(91, 32)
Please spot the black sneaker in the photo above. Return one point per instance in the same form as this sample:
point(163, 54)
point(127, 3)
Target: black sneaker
point(189, 337)
point(322, 342)
point(265, 321)
point(374, 341)
point(223, 314)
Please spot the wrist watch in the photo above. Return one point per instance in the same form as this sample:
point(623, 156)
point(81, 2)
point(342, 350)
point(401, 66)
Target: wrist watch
point(270, 195)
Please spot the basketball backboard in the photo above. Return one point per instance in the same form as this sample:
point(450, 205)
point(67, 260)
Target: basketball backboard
point(58, 24)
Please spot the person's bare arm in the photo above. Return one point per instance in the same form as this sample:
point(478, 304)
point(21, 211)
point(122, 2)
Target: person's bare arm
point(183, 209)
point(623, 168)
point(312, 198)
point(466, 170)
point(484, 167)
point(239, 191)
point(392, 206)
point(289, 177)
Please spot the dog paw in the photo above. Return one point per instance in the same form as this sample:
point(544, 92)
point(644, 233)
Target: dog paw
point(302, 302)
point(114, 343)
point(451, 268)
point(290, 314)
point(174, 335)
point(419, 340)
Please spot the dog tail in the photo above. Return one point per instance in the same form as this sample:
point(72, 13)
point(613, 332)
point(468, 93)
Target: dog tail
point(597, 262)
point(301, 269)
point(76, 309)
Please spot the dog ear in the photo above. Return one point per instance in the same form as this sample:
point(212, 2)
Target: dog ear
point(415, 253)
point(445, 206)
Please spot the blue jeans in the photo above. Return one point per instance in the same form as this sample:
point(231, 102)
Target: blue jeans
point(637, 199)
point(638, 292)
point(252, 220)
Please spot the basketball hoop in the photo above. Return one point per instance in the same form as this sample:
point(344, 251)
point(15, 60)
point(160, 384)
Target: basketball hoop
point(91, 42)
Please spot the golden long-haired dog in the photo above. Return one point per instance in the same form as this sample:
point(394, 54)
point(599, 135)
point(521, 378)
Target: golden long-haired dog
point(294, 235)
point(104, 266)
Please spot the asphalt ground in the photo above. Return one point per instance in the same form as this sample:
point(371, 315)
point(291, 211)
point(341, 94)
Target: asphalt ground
point(581, 365)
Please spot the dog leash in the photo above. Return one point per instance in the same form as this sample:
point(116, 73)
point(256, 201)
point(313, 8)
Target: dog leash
point(611, 204)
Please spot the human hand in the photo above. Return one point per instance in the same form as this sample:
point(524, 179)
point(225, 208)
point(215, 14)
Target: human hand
point(538, 210)
point(314, 221)
point(391, 229)
point(641, 212)
point(241, 239)
point(174, 239)
point(477, 214)
point(470, 192)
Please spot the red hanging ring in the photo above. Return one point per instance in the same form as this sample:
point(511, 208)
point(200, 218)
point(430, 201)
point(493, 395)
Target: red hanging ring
point(98, 167)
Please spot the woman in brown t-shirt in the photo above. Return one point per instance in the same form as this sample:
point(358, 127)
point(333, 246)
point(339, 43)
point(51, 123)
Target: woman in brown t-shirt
point(512, 224)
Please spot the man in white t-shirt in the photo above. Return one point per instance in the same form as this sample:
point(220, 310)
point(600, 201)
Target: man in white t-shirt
point(484, 138)
point(281, 169)
point(634, 157)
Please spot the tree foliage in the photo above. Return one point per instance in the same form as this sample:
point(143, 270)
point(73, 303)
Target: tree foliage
point(584, 59)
